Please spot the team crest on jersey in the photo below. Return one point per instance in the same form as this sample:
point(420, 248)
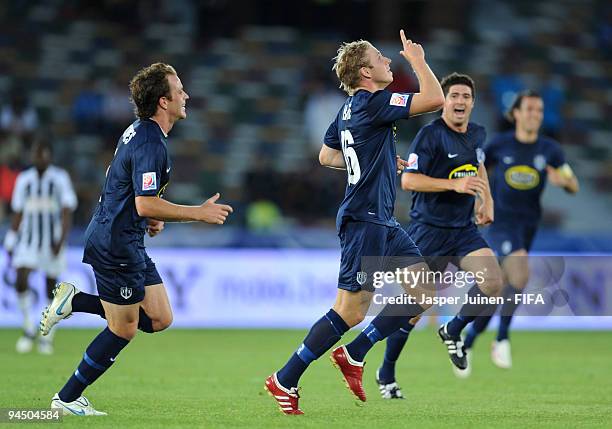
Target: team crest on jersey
point(126, 292)
point(507, 160)
point(413, 162)
point(362, 276)
point(522, 177)
point(539, 162)
point(149, 181)
point(397, 99)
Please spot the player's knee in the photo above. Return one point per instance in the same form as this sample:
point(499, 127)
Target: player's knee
point(493, 283)
point(519, 280)
point(162, 322)
point(351, 317)
point(124, 330)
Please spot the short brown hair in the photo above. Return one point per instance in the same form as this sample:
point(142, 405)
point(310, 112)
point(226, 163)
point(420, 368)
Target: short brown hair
point(518, 100)
point(351, 57)
point(457, 79)
point(148, 86)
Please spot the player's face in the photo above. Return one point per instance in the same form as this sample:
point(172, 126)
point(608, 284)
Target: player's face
point(458, 104)
point(41, 157)
point(380, 70)
point(530, 114)
point(176, 106)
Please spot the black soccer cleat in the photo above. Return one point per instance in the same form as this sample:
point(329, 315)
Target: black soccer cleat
point(389, 391)
point(455, 347)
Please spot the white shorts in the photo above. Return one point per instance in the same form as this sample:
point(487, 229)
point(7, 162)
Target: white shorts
point(43, 260)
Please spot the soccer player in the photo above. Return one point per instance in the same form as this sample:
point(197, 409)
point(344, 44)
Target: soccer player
point(43, 201)
point(131, 292)
point(362, 140)
point(447, 176)
point(522, 161)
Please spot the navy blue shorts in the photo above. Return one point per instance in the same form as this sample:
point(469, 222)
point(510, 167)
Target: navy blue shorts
point(125, 287)
point(441, 246)
point(369, 247)
point(506, 237)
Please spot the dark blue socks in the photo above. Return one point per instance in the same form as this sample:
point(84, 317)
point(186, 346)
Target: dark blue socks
point(469, 311)
point(98, 357)
point(507, 312)
point(395, 345)
point(475, 329)
point(389, 320)
point(86, 303)
point(322, 336)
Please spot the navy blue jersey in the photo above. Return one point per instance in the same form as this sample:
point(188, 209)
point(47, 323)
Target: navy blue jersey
point(519, 175)
point(140, 167)
point(364, 130)
point(437, 151)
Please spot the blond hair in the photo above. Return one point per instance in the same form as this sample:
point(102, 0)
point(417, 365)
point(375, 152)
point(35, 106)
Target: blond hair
point(347, 64)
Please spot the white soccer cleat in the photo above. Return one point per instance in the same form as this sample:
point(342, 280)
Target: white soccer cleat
point(501, 354)
point(464, 373)
point(79, 407)
point(60, 308)
point(24, 344)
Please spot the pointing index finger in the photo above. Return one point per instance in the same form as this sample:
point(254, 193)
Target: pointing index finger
point(403, 37)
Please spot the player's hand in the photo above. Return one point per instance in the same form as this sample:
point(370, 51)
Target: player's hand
point(559, 176)
point(154, 227)
point(472, 185)
point(484, 214)
point(411, 51)
point(401, 164)
point(211, 212)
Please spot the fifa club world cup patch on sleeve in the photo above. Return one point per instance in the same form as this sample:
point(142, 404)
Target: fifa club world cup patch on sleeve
point(413, 162)
point(398, 100)
point(149, 181)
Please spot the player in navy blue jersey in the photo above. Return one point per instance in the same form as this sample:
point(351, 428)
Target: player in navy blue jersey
point(131, 293)
point(361, 139)
point(447, 176)
point(521, 162)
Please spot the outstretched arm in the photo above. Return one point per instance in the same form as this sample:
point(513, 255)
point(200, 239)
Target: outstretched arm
point(157, 208)
point(430, 96)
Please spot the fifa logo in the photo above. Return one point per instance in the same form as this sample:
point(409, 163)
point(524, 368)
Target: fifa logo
point(126, 292)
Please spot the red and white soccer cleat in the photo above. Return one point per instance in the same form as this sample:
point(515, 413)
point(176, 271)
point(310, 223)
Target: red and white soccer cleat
point(352, 371)
point(287, 399)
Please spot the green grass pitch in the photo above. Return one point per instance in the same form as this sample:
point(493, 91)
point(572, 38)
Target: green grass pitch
point(214, 378)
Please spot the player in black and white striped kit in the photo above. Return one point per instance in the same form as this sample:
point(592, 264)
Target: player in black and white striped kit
point(43, 201)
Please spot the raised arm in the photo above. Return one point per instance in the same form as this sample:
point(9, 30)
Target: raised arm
point(430, 96)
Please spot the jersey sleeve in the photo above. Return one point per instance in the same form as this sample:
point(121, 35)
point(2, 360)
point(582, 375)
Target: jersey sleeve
point(148, 162)
point(421, 152)
point(68, 197)
point(385, 107)
point(557, 157)
point(331, 137)
point(18, 197)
